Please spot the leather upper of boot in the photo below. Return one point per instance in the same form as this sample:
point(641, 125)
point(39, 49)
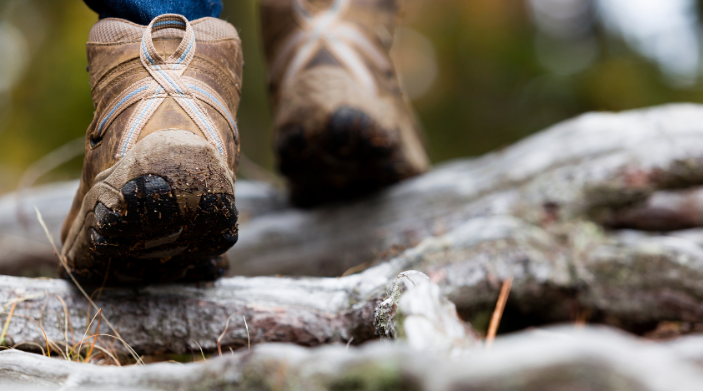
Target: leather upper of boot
point(172, 74)
point(330, 32)
point(327, 54)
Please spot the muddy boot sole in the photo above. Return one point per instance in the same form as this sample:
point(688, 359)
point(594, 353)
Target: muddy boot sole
point(170, 225)
point(349, 158)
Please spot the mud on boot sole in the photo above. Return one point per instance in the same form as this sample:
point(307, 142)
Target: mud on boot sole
point(154, 240)
point(350, 157)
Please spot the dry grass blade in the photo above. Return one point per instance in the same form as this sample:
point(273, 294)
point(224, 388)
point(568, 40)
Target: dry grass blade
point(247, 327)
point(7, 324)
point(201, 350)
point(79, 345)
point(50, 161)
point(108, 354)
point(498, 312)
point(92, 303)
point(358, 268)
point(87, 331)
point(23, 298)
point(44, 165)
point(219, 339)
point(97, 332)
point(101, 349)
point(48, 349)
point(66, 315)
point(43, 352)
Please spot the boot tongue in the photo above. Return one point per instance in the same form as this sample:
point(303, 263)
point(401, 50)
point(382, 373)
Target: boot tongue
point(166, 41)
point(166, 46)
point(316, 6)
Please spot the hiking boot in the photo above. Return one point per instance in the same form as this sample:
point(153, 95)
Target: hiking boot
point(156, 199)
point(342, 125)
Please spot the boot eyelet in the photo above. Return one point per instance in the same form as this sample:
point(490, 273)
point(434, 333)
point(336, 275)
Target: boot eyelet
point(95, 141)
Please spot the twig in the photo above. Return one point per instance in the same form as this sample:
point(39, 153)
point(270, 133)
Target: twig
point(498, 312)
point(7, 324)
point(582, 318)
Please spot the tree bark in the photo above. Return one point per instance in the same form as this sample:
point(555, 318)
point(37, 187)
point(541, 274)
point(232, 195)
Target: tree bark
point(629, 282)
point(438, 352)
point(595, 219)
point(550, 359)
point(590, 168)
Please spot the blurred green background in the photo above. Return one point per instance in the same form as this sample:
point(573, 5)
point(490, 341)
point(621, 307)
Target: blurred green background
point(481, 73)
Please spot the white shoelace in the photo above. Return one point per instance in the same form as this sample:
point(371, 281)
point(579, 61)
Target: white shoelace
point(328, 30)
point(167, 80)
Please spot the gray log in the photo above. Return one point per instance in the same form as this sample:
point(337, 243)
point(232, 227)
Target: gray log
point(632, 280)
point(176, 318)
point(587, 168)
point(573, 214)
point(534, 211)
point(579, 169)
point(561, 358)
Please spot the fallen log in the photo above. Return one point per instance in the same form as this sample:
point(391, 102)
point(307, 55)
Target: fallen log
point(592, 168)
point(577, 170)
point(543, 212)
point(436, 351)
point(547, 359)
point(631, 282)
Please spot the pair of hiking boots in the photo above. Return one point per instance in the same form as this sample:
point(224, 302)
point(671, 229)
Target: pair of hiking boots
point(156, 198)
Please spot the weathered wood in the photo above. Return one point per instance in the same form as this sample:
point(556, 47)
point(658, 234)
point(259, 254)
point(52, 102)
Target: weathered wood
point(414, 311)
point(523, 212)
point(578, 169)
point(627, 280)
point(179, 318)
point(551, 359)
point(539, 211)
point(587, 168)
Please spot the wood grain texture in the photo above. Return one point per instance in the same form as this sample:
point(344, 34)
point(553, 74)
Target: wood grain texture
point(551, 359)
point(597, 218)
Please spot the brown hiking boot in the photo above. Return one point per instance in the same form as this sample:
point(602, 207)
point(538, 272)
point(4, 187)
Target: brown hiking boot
point(156, 200)
point(342, 124)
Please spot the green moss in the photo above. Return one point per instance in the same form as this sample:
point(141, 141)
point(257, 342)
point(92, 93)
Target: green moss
point(379, 376)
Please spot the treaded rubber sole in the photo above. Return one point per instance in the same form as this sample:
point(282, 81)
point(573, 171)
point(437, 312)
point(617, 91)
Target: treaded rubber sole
point(351, 157)
point(152, 241)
